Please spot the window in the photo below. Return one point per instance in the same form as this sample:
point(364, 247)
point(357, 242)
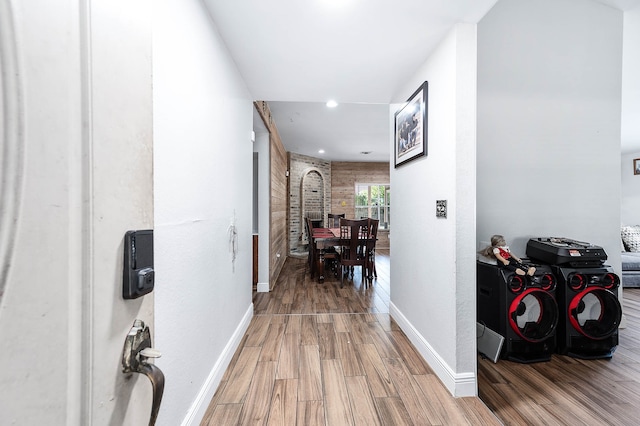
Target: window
point(373, 200)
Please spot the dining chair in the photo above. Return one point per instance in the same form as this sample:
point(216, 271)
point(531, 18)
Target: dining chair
point(354, 234)
point(308, 226)
point(333, 219)
point(328, 256)
point(371, 248)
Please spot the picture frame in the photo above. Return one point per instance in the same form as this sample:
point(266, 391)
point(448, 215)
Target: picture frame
point(636, 166)
point(410, 135)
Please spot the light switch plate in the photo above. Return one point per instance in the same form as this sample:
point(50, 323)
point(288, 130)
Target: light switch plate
point(441, 208)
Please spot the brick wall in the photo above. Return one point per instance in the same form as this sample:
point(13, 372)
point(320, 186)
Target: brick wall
point(309, 180)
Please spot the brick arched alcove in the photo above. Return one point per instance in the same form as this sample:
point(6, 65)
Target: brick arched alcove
point(313, 194)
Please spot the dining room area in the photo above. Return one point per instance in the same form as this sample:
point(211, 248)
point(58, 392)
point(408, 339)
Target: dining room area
point(291, 187)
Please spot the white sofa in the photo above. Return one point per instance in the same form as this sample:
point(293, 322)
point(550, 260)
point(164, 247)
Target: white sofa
point(630, 255)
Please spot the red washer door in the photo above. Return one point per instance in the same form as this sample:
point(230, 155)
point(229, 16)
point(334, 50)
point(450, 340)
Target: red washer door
point(595, 313)
point(533, 315)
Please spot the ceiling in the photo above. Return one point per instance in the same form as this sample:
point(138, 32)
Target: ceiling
point(296, 55)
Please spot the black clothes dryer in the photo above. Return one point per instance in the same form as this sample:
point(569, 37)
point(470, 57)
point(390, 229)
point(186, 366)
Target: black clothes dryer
point(520, 308)
point(591, 311)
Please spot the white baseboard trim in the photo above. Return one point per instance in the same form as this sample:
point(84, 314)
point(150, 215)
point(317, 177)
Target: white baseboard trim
point(262, 288)
point(201, 403)
point(459, 384)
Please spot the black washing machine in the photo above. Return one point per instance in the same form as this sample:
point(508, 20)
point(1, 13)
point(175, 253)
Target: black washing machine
point(586, 294)
point(522, 309)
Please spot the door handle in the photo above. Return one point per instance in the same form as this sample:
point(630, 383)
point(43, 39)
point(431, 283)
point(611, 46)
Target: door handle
point(135, 356)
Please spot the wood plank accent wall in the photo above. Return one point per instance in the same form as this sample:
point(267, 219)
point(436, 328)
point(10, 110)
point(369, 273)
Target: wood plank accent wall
point(278, 211)
point(344, 176)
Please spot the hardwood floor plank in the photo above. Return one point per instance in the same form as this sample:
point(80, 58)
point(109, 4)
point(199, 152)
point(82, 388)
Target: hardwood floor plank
point(324, 319)
point(384, 320)
point(327, 340)
point(234, 359)
point(623, 414)
point(519, 402)
point(298, 306)
point(336, 396)
point(257, 330)
point(287, 295)
point(255, 409)
point(360, 330)
point(381, 341)
point(223, 414)
point(285, 309)
point(566, 416)
point(331, 301)
point(341, 323)
point(289, 359)
point(310, 413)
point(421, 414)
point(294, 325)
point(476, 412)
point(598, 400)
point(214, 401)
point(534, 386)
point(406, 350)
point(493, 396)
point(284, 402)
point(310, 376)
point(393, 412)
point(432, 393)
point(346, 352)
point(309, 335)
point(376, 370)
point(241, 376)
point(363, 406)
point(272, 342)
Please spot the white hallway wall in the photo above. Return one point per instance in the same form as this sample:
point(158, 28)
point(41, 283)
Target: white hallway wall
point(630, 204)
point(203, 117)
point(549, 110)
point(630, 81)
point(433, 262)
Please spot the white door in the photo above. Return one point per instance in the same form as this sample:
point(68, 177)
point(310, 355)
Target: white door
point(76, 168)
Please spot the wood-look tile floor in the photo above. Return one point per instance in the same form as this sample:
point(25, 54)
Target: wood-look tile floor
point(318, 354)
point(570, 391)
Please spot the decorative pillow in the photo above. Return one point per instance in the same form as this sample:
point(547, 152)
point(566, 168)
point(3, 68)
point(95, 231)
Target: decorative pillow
point(631, 238)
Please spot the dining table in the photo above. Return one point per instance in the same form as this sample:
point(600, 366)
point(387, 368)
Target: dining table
point(323, 239)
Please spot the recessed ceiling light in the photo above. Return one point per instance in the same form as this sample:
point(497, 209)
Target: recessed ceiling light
point(321, 151)
point(337, 4)
point(332, 104)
